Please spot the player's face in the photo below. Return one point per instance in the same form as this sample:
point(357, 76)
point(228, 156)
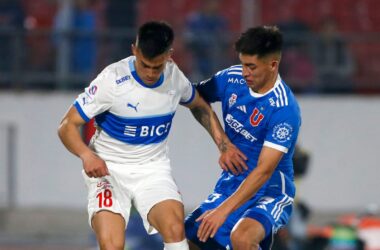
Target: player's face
point(149, 70)
point(259, 73)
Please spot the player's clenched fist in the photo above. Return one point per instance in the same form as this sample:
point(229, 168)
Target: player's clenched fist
point(94, 166)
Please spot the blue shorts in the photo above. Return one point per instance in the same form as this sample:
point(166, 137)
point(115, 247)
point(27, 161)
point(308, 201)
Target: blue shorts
point(272, 210)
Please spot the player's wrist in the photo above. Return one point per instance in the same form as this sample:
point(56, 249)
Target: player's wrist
point(85, 154)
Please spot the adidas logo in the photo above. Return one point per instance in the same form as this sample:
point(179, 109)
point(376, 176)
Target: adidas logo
point(242, 108)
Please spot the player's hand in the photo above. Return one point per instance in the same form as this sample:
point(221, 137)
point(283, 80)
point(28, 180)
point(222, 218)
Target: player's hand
point(211, 220)
point(94, 166)
point(232, 159)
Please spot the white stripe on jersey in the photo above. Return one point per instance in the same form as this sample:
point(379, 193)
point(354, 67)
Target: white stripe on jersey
point(282, 97)
point(277, 90)
point(236, 67)
point(234, 73)
point(277, 103)
point(285, 95)
point(276, 146)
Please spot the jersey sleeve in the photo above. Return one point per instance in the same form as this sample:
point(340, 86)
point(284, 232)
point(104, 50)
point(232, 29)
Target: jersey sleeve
point(188, 92)
point(283, 130)
point(97, 97)
point(212, 89)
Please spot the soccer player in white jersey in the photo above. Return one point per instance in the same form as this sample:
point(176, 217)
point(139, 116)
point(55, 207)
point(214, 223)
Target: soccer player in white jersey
point(133, 102)
point(262, 118)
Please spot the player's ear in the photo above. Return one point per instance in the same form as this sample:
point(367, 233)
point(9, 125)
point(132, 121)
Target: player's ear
point(170, 52)
point(274, 65)
point(133, 48)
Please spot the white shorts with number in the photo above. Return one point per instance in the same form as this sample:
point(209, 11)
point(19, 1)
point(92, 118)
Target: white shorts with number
point(143, 186)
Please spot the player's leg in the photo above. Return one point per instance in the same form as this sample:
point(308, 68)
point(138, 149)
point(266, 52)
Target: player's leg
point(167, 218)
point(247, 234)
point(109, 228)
point(108, 210)
point(159, 203)
point(255, 230)
point(192, 246)
point(221, 240)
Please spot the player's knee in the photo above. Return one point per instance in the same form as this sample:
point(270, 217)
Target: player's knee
point(173, 232)
point(242, 239)
point(110, 243)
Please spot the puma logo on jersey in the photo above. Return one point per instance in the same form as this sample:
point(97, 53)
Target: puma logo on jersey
point(133, 106)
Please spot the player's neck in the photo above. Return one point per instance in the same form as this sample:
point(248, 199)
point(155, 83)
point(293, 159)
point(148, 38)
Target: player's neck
point(268, 85)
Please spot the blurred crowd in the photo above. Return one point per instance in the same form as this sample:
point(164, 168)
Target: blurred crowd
point(51, 44)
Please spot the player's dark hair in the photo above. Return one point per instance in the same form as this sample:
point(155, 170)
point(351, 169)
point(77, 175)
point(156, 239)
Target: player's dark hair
point(154, 38)
point(260, 41)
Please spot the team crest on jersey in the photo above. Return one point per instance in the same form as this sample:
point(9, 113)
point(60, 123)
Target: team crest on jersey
point(232, 100)
point(256, 117)
point(282, 132)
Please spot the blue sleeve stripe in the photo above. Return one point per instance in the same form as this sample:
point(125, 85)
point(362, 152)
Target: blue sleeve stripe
point(80, 110)
point(192, 96)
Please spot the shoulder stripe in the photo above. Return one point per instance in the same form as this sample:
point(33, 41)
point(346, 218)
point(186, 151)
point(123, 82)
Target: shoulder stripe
point(282, 98)
point(239, 66)
point(284, 92)
point(279, 101)
point(234, 73)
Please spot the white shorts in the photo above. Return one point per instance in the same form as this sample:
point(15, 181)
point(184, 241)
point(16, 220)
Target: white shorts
point(143, 186)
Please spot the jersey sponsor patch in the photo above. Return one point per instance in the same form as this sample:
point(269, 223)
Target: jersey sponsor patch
point(239, 127)
point(236, 80)
point(123, 79)
point(282, 132)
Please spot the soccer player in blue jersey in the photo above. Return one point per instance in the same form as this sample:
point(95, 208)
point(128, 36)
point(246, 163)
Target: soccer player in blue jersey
point(262, 118)
point(133, 102)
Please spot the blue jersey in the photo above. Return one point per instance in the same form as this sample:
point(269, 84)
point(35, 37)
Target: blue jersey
point(252, 121)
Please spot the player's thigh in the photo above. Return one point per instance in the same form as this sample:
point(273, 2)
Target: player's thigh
point(106, 194)
point(159, 201)
point(109, 228)
point(221, 240)
point(248, 230)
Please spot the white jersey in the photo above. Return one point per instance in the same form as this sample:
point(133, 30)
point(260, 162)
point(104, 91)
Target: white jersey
point(133, 119)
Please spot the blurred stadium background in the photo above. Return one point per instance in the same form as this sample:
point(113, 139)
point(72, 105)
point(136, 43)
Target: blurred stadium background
point(51, 49)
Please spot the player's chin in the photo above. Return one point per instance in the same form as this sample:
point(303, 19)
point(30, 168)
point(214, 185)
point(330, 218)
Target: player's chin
point(250, 84)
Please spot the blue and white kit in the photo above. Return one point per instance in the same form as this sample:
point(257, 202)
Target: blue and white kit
point(133, 121)
point(252, 121)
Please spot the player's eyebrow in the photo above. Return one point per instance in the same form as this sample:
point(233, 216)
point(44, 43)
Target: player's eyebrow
point(249, 64)
point(150, 67)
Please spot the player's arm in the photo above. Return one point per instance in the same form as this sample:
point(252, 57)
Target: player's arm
point(213, 219)
point(69, 134)
point(231, 159)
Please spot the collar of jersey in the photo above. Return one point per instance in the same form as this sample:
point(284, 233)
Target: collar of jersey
point(257, 95)
point(138, 79)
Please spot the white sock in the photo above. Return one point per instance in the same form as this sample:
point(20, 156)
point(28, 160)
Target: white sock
point(182, 245)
